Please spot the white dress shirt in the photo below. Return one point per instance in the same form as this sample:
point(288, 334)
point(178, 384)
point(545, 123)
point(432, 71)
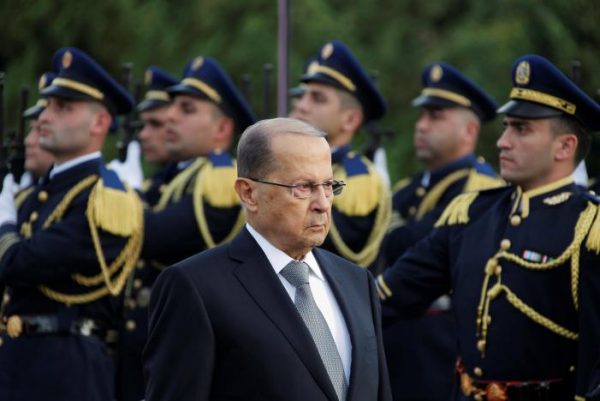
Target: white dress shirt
point(59, 168)
point(321, 291)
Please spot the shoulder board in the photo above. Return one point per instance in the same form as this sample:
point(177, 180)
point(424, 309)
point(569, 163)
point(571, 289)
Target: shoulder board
point(113, 207)
point(220, 159)
point(355, 164)
point(364, 188)
point(593, 237)
point(403, 183)
point(457, 212)
point(216, 181)
point(482, 167)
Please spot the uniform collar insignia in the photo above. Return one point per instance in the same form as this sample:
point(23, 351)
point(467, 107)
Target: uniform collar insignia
point(557, 199)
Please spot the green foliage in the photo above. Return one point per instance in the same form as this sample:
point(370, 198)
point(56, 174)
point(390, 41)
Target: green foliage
point(395, 38)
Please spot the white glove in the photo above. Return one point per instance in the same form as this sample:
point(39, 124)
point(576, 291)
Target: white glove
point(130, 171)
point(8, 210)
point(380, 162)
point(25, 181)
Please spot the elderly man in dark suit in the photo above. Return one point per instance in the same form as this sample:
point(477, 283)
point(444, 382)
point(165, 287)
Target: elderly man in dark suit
point(268, 316)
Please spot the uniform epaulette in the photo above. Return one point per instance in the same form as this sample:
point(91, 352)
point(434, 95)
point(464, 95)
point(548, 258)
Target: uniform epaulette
point(363, 186)
point(457, 212)
point(113, 206)
point(22, 195)
point(479, 180)
point(593, 238)
point(403, 183)
point(217, 179)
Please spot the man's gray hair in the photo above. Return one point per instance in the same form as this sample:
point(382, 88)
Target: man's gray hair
point(254, 156)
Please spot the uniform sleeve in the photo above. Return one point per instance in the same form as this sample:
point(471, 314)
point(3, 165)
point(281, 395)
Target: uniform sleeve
point(588, 369)
point(419, 277)
point(54, 253)
point(179, 355)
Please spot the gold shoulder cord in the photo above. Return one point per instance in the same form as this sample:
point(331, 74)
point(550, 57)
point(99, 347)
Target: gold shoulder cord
point(22, 195)
point(488, 294)
point(175, 189)
point(433, 196)
point(126, 259)
point(367, 255)
point(201, 217)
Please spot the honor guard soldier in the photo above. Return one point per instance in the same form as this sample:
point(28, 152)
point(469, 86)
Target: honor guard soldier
point(339, 97)
point(452, 110)
point(199, 207)
point(521, 260)
point(37, 160)
point(152, 111)
point(65, 257)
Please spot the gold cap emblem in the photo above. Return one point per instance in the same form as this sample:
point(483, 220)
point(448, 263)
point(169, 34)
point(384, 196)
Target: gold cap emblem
point(312, 68)
point(198, 61)
point(326, 51)
point(67, 59)
point(522, 73)
point(42, 82)
point(148, 77)
point(436, 73)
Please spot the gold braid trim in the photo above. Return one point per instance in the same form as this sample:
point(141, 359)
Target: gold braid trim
point(457, 211)
point(61, 208)
point(175, 189)
point(22, 195)
point(478, 182)
point(127, 258)
point(201, 217)
point(367, 255)
point(6, 241)
point(433, 196)
point(585, 221)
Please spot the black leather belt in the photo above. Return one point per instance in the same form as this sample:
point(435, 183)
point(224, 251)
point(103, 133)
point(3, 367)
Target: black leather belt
point(15, 326)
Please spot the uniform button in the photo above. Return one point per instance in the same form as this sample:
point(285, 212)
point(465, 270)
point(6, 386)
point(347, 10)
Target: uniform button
point(34, 216)
point(478, 397)
point(141, 264)
point(43, 196)
point(137, 283)
point(498, 270)
point(420, 192)
point(488, 320)
point(130, 325)
point(477, 371)
point(412, 210)
point(505, 244)
point(515, 220)
point(481, 345)
point(6, 299)
point(132, 304)
point(571, 368)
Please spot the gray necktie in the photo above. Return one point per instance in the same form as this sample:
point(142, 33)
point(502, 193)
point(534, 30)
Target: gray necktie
point(296, 273)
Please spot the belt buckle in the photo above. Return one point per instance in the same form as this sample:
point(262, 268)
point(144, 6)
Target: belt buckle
point(14, 326)
point(495, 391)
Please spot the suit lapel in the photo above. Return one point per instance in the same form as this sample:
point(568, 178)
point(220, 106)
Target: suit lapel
point(339, 282)
point(263, 285)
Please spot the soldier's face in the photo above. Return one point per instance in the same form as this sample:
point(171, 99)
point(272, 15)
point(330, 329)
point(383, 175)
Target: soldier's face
point(295, 225)
point(69, 128)
point(37, 160)
point(439, 135)
point(192, 124)
point(527, 152)
point(320, 106)
point(153, 135)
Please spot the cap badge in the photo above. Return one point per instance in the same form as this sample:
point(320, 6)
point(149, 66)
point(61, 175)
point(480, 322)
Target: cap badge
point(326, 51)
point(436, 73)
point(148, 77)
point(312, 68)
point(67, 59)
point(522, 73)
point(198, 61)
point(42, 82)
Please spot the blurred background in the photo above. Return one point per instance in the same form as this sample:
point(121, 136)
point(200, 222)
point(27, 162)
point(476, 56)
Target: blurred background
point(394, 39)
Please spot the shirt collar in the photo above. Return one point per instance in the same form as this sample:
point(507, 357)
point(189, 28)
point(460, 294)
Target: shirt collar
point(59, 168)
point(280, 259)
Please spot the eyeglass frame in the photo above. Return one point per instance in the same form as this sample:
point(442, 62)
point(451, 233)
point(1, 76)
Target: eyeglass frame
point(336, 186)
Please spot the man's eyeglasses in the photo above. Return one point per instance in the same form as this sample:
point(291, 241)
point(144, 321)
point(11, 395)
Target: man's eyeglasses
point(305, 190)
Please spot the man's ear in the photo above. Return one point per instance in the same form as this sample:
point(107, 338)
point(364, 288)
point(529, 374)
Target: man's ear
point(566, 147)
point(246, 190)
point(101, 123)
point(352, 119)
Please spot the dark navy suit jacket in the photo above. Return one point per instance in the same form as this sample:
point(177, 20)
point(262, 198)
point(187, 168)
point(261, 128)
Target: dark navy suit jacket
point(222, 327)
